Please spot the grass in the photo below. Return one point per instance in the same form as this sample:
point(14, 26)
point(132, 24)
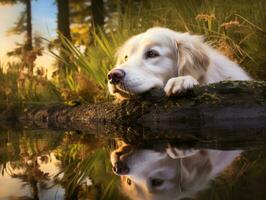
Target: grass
point(16, 87)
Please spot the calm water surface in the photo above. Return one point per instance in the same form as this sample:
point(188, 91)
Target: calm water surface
point(46, 165)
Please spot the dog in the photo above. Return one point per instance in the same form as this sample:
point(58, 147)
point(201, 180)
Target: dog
point(174, 61)
point(167, 175)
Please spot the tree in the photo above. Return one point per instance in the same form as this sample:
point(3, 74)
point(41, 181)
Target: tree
point(24, 22)
point(28, 44)
point(23, 25)
point(80, 19)
point(97, 12)
point(63, 18)
point(63, 26)
point(85, 17)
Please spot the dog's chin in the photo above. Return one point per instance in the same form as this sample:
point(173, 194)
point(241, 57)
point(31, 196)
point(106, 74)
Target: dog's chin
point(122, 93)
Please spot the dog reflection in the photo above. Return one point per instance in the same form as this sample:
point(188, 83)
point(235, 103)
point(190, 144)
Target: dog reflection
point(171, 174)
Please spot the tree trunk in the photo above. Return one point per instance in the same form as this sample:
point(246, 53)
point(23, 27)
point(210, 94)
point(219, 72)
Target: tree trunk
point(28, 45)
point(63, 18)
point(63, 25)
point(97, 8)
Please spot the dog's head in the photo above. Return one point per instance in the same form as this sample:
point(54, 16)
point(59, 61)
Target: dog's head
point(146, 61)
point(169, 174)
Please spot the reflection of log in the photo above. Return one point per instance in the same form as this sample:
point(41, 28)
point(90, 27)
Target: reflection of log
point(225, 105)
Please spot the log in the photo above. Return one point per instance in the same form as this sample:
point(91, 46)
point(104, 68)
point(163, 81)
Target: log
point(208, 106)
point(228, 110)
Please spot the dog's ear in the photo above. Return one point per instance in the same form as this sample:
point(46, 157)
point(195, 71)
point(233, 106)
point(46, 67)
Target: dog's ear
point(192, 58)
point(195, 172)
point(176, 153)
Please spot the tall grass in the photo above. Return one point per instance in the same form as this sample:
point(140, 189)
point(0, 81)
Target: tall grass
point(18, 87)
point(233, 29)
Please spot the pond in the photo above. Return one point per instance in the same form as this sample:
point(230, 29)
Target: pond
point(48, 164)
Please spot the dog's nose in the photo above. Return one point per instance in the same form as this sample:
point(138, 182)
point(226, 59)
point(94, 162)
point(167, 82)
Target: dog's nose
point(121, 168)
point(115, 76)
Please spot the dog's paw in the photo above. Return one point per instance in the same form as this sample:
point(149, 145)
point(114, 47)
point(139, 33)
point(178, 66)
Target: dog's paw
point(176, 153)
point(179, 84)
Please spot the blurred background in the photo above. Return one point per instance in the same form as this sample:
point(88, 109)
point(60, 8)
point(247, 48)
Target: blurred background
point(61, 50)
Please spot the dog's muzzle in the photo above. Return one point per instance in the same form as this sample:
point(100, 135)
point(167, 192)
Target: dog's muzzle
point(120, 168)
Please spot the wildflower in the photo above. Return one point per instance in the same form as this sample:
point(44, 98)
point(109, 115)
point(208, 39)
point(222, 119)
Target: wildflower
point(230, 24)
point(205, 17)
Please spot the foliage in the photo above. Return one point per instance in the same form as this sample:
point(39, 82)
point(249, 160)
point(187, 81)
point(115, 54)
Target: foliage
point(17, 86)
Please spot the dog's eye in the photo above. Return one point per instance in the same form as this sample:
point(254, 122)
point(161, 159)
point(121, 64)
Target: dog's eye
point(155, 182)
point(151, 54)
point(126, 57)
point(128, 181)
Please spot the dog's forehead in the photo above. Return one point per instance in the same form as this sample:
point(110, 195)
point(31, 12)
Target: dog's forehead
point(147, 39)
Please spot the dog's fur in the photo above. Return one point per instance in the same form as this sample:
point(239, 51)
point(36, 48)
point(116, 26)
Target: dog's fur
point(183, 172)
point(182, 61)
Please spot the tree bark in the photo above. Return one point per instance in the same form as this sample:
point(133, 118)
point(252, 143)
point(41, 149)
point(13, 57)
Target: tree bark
point(220, 105)
point(63, 26)
point(29, 26)
point(97, 8)
point(63, 18)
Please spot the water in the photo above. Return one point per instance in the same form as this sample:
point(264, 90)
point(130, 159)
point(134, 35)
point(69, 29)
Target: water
point(43, 164)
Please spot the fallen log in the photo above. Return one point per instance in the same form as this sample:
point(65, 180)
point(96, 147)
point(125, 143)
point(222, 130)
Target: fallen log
point(228, 105)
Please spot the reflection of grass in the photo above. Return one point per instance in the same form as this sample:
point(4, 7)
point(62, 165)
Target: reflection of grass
point(81, 165)
point(96, 167)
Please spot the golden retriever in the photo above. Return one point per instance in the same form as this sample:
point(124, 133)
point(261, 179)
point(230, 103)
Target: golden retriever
point(174, 61)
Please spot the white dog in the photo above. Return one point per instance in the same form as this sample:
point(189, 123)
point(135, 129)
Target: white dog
point(170, 174)
point(163, 58)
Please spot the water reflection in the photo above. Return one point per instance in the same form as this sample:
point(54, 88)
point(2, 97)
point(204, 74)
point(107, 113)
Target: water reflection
point(32, 178)
point(76, 165)
point(55, 165)
point(168, 174)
